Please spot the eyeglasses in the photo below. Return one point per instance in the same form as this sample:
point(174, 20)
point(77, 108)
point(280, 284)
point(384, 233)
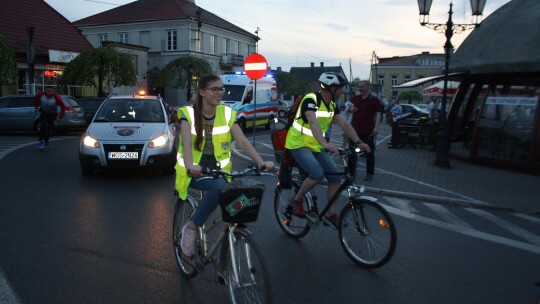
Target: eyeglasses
point(216, 89)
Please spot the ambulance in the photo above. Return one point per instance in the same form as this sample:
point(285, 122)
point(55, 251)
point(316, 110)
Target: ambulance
point(239, 96)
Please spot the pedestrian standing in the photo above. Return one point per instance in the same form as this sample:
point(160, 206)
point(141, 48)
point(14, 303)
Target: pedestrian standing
point(48, 102)
point(365, 121)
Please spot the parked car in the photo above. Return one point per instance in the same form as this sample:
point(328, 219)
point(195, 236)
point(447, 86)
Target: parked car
point(90, 105)
point(17, 114)
point(415, 111)
point(283, 108)
point(128, 131)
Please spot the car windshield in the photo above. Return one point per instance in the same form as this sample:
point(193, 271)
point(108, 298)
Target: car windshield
point(70, 101)
point(233, 93)
point(133, 110)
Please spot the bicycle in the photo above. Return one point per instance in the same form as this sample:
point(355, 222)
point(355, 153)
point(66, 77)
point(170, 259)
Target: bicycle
point(245, 274)
point(366, 230)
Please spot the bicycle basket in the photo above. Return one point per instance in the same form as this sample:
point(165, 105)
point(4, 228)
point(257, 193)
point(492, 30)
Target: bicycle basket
point(240, 201)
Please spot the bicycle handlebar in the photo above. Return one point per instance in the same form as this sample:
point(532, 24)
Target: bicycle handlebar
point(251, 170)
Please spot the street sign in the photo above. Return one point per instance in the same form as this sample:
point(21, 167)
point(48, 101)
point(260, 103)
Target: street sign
point(255, 66)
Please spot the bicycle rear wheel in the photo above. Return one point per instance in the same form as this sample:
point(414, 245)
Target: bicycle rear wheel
point(247, 275)
point(293, 226)
point(367, 233)
point(183, 212)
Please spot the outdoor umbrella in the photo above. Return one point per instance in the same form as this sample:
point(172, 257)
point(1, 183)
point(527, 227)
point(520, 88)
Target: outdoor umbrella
point(438, 88)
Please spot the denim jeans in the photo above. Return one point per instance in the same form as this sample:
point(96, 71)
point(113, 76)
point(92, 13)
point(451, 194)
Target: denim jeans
point(210, 201)
point(317, 165)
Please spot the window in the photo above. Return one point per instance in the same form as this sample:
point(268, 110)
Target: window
point(123, 37)
point(213, 49)
point(226, 46)
point(102, 38)
point(407, 78)
point(235, 47)
point(394, 80)
point(196, 40)
point(381, 80)
point(172, 40)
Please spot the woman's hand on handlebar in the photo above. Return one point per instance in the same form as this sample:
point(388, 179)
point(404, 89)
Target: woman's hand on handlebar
point(267, 166)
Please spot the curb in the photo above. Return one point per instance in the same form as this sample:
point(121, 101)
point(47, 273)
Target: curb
point(448, 201)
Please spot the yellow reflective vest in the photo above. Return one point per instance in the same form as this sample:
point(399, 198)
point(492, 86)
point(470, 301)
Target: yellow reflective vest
point(221, 139)
point(300, 134)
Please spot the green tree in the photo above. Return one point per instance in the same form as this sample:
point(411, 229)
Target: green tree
point(8, 65)
point(288, 84)
point(180, 73)
point(105, 63)
point(409, 96)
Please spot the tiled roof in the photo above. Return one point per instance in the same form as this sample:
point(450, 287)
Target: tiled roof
point(155, 10)
point(51, 29)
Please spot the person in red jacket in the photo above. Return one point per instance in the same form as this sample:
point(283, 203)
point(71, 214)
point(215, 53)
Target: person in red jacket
point(48, 103)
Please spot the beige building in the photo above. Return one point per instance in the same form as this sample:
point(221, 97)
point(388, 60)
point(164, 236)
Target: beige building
point(392, 71)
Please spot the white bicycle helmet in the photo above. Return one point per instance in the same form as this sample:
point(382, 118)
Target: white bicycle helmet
point(332, 79)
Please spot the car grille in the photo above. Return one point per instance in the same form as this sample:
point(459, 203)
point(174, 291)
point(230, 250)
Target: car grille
point(123, 162)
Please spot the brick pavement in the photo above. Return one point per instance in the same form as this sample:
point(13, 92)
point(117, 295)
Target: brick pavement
point(411, 173)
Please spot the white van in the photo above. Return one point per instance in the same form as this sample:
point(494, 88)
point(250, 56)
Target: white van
point(239, 96)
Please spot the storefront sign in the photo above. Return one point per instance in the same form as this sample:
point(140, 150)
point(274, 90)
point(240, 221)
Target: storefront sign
point(61, 56)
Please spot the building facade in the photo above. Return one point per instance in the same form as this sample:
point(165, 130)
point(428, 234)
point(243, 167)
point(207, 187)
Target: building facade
point(43, 42)
point(170, 29)
point(393, 71)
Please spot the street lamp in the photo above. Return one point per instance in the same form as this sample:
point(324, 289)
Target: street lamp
point(448, 28)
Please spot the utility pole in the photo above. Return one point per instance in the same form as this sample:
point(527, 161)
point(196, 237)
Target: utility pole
point(30, 55)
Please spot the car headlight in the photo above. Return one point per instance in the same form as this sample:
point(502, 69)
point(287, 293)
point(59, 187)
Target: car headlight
point(160, 141)
point(88, 141)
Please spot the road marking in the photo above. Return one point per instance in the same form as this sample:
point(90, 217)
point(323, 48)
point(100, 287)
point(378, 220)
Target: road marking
point(446, 215)
point(402, 204)
point(529, 218)
point(506, 225)
point(7, 296)
point(466, 231)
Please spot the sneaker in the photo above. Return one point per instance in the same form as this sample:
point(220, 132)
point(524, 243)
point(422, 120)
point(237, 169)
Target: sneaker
point(298, 207)
point(41, 145)
point(187, 243)
point(368, 177)
point(332, 218)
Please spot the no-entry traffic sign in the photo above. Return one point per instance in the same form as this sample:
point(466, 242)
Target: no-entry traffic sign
point(255, 66)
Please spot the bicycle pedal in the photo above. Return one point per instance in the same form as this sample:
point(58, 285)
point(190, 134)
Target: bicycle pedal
point(313, 219)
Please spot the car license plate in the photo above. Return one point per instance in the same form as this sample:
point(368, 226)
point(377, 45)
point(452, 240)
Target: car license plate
point(123, 155)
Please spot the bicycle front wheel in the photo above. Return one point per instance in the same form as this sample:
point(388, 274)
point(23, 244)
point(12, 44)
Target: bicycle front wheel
point(183, 212)
point(247, 276)
point(292, 225)
point(367, 233)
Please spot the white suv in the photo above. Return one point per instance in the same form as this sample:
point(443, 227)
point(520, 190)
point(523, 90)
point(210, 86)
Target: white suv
point(128, 131)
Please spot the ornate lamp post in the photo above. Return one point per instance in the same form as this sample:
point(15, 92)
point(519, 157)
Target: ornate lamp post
point(448, 28)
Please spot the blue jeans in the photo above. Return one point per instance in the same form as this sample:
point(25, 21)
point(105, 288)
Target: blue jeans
point(317, 165)
point(210, 201)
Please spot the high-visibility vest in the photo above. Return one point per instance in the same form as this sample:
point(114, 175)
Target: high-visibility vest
point(221, 139)
point(300, 134)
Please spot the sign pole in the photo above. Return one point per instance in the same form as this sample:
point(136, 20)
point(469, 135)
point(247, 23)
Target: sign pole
point(255, 67)
point(254, 110)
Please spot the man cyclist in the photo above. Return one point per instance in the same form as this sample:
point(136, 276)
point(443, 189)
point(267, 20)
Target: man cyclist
point(306, 142)
point(48, 103)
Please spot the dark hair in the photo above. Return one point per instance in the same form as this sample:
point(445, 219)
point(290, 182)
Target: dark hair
point(202, 84)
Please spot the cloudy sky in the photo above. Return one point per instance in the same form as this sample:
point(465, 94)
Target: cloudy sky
point(336, 32)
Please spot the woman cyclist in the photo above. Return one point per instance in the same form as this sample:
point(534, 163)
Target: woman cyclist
point(206, 132)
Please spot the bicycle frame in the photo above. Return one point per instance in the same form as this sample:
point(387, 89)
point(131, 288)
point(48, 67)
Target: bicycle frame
point(348, 185)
